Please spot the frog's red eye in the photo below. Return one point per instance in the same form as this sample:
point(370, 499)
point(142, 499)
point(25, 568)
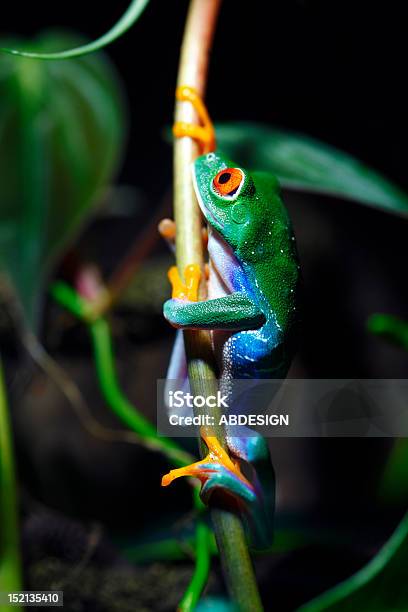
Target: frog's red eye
point(228, 181)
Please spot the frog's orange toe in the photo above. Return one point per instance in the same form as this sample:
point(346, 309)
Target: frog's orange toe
point(187, 290)
point(203, 133)
point(167, 229)
point(203, 469)
point(194, 469)
point(179, 290)
point(167, 479)
point(192, 274)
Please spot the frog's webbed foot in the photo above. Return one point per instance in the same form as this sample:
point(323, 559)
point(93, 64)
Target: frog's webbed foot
point(216, 471)
point(252, 448)
point(222, 473)
point(203, 133)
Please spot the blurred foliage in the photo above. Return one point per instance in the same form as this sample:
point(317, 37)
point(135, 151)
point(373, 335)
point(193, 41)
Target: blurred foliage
point(175, 549)
point(380, 586)
point(305, 164)
point(393, 485)
point(95, 586)
point(391, 328)
point(149, 288)
point(62, 128)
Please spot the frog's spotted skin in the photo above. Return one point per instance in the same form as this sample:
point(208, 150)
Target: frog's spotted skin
point(252, 298)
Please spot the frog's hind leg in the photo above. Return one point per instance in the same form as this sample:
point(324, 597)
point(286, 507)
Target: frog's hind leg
point(177, 376)
point(177, 369)
point(216, 471)
point(252, 450)
point(220, 472)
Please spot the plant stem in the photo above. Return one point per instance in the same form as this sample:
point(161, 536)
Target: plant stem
point(193, 69)
point(202, 567)
point(10, 564)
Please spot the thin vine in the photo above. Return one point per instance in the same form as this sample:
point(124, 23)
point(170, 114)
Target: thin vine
point(127, 20)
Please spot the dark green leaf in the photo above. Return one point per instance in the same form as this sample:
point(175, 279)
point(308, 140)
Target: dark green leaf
point(305, 164)
point(61, 136)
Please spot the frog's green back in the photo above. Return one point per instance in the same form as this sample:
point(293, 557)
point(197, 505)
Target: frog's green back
point(252, 219)
point(268, 251)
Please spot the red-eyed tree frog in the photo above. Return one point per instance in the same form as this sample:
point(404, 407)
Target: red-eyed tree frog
point(251, 311)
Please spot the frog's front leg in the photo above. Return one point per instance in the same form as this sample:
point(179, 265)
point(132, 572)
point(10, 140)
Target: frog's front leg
point(230, 312)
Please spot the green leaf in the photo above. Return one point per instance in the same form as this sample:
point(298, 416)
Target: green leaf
point(380, 586)
point(61, 138)
point(305, 164)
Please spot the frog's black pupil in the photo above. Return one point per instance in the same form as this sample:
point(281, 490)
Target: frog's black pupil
point(224, 178)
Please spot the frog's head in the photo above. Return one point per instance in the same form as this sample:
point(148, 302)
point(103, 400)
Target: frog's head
point(244, 209)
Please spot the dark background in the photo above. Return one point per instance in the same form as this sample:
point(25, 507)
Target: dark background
point(335, 71)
